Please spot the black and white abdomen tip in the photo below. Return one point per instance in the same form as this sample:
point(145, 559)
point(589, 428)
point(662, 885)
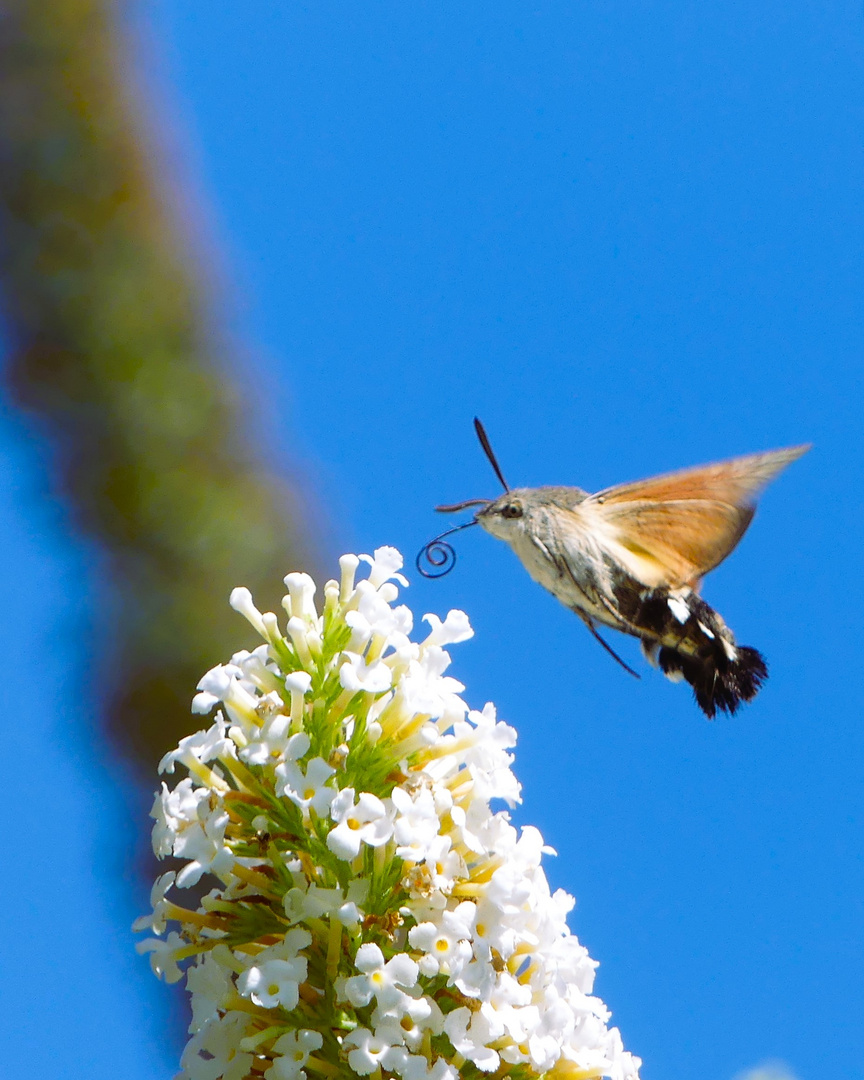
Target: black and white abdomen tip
point(690, 641)
point(719, 684)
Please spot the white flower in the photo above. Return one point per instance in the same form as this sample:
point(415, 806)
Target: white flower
point(275, 743)
point(274, 982)
point(374, 618)
point(474, 825)
point(203, 844)
point(163, 956)
point(369, 1051)
point(156, 921)
point(211, 988)
point(213, 686)
point(386, 982)
point(455, 628)
point(427, 690)
point(313, 902)
point(294, 1048)
point(301, 590)
point(415, 828)
point(408, 1019)
point(384, 566)
point(446, 943)
point(471, 1032)
point(202, 746)
point(202, 704)
point(298, 684)
point(173, 810)
point(241, 600)
point(187, 826)
point(355, 674)
point(225, 683)
point(363, 822)
point(275, 977)
point(770, 1070)
point(493, 930)
point(439, 870)
point(417, 1067)
point(483, 748)
point(219, 1041)
point(344, 804)
point(307, 788)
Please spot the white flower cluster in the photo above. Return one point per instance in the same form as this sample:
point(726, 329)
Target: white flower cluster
point(372, 914)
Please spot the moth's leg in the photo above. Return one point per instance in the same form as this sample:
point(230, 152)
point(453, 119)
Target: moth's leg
point(564, 567)
point(590, 624)
point(652, 637)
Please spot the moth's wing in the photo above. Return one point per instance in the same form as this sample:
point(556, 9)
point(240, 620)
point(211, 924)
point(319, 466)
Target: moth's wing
point(735, 482)
point(672, 543)
point(673, 529)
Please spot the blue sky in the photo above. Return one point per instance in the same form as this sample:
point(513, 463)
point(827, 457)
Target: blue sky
point(629, 237)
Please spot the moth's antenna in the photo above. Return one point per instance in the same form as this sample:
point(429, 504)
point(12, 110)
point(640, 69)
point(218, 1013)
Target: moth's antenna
point(461, 506)
point(438, 554)
point(484, 442)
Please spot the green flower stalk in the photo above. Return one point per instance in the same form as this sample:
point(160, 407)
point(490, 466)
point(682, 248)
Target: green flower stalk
point(372, 914)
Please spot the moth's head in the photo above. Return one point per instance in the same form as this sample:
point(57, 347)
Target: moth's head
point(507, 516)
point(522, 509)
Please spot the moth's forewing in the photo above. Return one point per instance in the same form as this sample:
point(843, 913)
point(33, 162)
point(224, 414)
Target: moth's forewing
point(734, 482)
point(672, 529)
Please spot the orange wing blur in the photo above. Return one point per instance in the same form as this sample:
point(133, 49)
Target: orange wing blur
point(678, 526)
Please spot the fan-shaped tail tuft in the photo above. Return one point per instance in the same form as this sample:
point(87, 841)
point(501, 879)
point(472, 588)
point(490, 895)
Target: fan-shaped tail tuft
point(719, 683)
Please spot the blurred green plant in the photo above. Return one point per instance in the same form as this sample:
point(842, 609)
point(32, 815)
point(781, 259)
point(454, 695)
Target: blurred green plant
point(108, 324)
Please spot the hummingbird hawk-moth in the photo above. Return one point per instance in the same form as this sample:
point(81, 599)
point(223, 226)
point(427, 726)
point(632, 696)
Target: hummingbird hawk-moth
point(632, 557)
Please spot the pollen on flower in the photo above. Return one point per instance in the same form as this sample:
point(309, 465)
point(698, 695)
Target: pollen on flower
point(368, 911)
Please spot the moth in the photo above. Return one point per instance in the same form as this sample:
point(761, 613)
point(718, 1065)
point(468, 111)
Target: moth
point(632, 557)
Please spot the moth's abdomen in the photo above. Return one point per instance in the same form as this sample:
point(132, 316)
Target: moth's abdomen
point(688, 640)
point(718, 682)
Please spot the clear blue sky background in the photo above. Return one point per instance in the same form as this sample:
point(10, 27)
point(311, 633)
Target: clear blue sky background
point(629, 236)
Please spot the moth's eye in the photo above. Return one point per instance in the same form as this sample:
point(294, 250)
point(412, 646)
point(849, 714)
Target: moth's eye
point(511, 510)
